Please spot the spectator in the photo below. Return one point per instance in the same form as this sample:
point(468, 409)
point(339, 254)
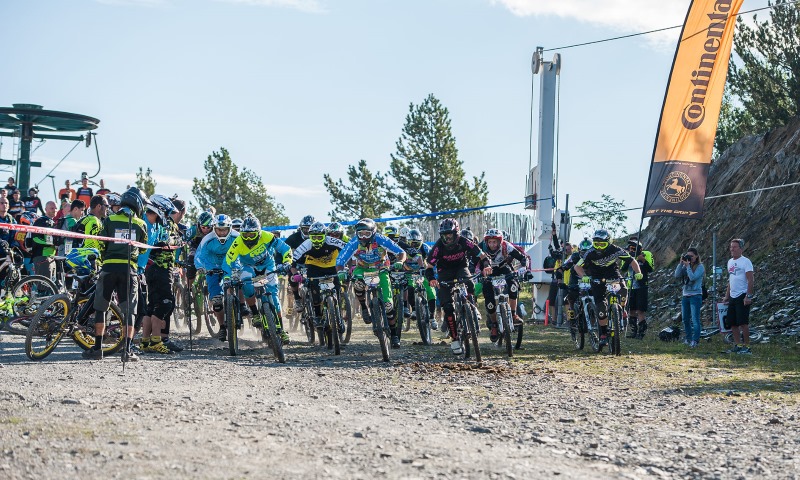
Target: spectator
point(11, 186)
point(85, 192)
point(739, 296)
point(15, 205)
point(103, 190)
point(75, 211)
point(691, 271)
point(5, 217)
point(67, 192)
point(639, 290)
point(43, 248)
point(63, 212)
point(3, 193)
point(32, 201)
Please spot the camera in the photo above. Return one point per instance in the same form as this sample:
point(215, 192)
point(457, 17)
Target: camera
point(688, 258)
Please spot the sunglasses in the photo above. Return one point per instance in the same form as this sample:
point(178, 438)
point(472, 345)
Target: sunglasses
point(205, 227)
point(249, 235)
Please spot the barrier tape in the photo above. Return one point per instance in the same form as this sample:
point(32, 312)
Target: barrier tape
point(408, 217)
point(66, 233)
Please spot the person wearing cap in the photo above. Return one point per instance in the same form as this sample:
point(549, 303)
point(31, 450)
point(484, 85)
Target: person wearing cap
point(67, 192)
point(32, 202)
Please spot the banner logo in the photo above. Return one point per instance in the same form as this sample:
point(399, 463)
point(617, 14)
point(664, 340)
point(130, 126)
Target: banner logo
point(677, 187)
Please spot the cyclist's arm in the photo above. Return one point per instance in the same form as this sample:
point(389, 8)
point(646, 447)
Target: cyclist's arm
point(346, 253)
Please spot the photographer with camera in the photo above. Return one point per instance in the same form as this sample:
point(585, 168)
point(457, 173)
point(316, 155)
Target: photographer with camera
point(690, 271)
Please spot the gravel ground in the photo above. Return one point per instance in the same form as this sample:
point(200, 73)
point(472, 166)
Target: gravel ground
point(202, 414)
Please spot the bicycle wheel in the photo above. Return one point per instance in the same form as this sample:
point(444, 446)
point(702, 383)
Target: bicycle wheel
point(473, 333)
point(615, 328)
point(196, 301)
point(379, 326)
point(576, 331)
point(334, 322)
point(346, 313)
point(178, 318)
point(593, 327)
point(504, 318)
point(275, 339)
point(231, 321)
point(28, 294)
point(423, 322)
point(113, 338)
point(47, 327)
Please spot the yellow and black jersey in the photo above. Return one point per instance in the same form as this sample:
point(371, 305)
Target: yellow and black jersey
point(319, 261)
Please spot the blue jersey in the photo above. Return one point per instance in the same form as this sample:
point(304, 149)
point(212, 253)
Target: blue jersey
point(211, 253)
point(412, 257)
point(155, 233)
point(373, 255)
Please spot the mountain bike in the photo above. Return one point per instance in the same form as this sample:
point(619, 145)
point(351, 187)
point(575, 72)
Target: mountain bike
point(505, 320)
point(590, 316)
point(195, 303)
point(178, 288)
point(614, 314)
point(22, 296)
point(577, 325)
point(377, 311)
point(346, 310)
point(421, 308)
point(269, 316)
point(232, 310)
point(332, 328)
point(64, 315)
point(466, 317)
point(399, 283)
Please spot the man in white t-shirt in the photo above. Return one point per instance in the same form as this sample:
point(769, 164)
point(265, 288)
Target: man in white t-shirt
point(739, 296)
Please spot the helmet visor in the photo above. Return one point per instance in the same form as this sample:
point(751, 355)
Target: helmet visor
point(415, 243)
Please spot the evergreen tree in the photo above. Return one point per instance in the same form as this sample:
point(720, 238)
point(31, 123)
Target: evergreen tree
point(235, 192)
point(764, 86)
point(365, 196)
point(145, 181)
point(426, 168)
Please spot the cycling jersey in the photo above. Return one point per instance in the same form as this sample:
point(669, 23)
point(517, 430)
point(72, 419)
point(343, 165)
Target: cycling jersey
point(211, 253)
point(6, 234)
point(454, 259)
point(260, 255)
point(32, 204)
point(296, 239)
point(124, 225)
point(412, 257)
point(604, 264)
point(319, 261)
point(374, 255)
point(89, 225)
point(501, 259)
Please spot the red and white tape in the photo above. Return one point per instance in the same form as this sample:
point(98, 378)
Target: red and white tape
point(66, 233)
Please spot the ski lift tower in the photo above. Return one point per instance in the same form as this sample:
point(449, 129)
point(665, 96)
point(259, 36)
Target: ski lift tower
point(28, 122)
point(540, 195)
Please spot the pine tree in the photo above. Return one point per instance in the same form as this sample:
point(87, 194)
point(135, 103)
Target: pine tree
point(764, 85)
point(426, 168)
point(365, 196)
point(236, 192)
point(145, 181)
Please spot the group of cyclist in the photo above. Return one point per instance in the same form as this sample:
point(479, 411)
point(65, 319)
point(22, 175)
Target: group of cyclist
point(220, 245)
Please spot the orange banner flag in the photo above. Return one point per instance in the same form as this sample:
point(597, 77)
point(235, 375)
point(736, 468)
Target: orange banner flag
point(682, 152)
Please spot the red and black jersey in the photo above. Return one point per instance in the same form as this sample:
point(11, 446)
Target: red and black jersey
point(453, 259)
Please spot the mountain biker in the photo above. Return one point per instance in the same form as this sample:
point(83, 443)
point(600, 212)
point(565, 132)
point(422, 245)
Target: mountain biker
point(255, 249)
point(501, 254)
point(336, 230)
point(450, 255)
point(603, 263)
point(236, 224)
point(295, 240)
point(210, 255)
point(416, 253)
point(194, 235)
point(371, 251)
point(318, 253)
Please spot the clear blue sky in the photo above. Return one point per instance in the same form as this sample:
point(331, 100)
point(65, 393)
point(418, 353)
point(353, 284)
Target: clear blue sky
point(298, 88)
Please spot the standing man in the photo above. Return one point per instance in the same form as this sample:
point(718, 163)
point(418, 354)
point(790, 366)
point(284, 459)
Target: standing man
point(11, 186)
point(85, 192)
point(76, 209)
point(119, 270)
point(639, 292)
point(67, 192)
point(43, 249)
point(739, 296)
point(32, 201)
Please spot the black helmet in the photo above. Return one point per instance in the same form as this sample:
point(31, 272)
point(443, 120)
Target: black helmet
point(305, 224)
point(134, 199)
point(467, 233)
point(391, 232)
point(448, 231)
point(415, 238)
point(365, 230)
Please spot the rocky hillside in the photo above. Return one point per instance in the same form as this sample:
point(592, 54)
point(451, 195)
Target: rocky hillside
point(768, 221)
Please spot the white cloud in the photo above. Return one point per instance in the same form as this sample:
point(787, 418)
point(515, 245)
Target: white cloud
point(625, 16)
point(293, 191)
point(309, 6)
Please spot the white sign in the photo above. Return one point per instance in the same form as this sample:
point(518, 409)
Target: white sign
point(722, 312)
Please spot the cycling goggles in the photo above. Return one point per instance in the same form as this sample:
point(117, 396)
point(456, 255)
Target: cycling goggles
point(600, 245)
point(364, 234)
point(317, 237)
point(415, 243)
point(248, 236)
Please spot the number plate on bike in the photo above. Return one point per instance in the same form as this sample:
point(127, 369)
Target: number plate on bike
point(398, 276)
point(584, 286)
point(499, 282)
point(613, 287)
point(327, 284)
point(372, 278)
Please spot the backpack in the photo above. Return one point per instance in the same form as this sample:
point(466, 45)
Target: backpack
point(669, 334)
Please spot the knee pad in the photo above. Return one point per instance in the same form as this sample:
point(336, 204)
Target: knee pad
point(490, 307)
